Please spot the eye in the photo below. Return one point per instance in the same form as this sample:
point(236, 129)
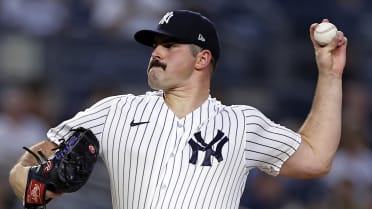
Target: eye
point(168, 44)
point(165, 44)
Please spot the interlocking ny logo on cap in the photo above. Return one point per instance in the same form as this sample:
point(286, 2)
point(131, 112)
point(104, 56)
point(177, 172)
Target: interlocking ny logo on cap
point(166, 18)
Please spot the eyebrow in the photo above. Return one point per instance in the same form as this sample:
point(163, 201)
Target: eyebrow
point(161, 39)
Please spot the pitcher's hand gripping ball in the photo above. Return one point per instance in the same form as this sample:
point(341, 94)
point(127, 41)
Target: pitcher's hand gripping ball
point(64, 172)
point(324, 33)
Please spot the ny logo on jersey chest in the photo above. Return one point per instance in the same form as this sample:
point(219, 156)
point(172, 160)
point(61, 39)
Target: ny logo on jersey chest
point(200, 145)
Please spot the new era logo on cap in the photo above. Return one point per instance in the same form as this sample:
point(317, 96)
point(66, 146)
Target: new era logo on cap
point(186, 26)
point(201, 38)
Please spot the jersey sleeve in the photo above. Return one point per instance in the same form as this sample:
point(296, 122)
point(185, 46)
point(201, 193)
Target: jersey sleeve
point(267, 144)
point(92, 118)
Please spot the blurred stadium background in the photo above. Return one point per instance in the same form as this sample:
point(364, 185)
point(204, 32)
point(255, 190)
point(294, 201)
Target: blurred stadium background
point(60, 56)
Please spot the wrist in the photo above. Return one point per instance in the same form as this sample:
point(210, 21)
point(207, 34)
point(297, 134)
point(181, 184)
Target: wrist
point(18, 179)
point(330, 76)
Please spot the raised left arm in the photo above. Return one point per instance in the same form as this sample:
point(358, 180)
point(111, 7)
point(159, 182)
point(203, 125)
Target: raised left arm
point(321, 130)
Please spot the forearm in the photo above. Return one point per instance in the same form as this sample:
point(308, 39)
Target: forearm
point(18, 174)
point(322, 128)
point(18, 179)
point(321, 131)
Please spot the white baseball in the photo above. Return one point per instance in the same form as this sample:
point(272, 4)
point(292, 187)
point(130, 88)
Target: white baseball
point(325, 32)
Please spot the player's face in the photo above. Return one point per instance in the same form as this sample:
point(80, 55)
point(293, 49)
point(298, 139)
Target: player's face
point(171, 64)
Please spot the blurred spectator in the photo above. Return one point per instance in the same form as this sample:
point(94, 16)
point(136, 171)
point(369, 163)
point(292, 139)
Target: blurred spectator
point(263, 192)
point(18, 127)
point(21, 58)
point(124, 17)
point(342, 196)
point(34, 17)
point(255, 46)
point(357, 104)
point(350, 178)
point(357, 112)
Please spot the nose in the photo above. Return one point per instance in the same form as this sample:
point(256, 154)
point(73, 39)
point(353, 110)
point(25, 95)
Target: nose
point(158, 52)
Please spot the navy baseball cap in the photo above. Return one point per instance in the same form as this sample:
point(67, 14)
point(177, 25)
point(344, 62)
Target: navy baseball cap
point(185, 26)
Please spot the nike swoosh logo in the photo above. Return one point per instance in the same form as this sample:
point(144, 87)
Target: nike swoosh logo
point(138, 123)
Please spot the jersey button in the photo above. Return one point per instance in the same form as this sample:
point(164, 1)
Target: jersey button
point(179, 125)
point(164, 186)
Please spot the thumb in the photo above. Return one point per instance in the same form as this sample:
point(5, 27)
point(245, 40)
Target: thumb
point(51, 195)
point(335, 41)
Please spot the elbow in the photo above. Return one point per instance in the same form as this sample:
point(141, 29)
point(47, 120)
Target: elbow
point(323, 166)
point(319, 170)
point(322, 171)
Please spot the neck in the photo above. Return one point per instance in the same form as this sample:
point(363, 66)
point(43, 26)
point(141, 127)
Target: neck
point(182, 102)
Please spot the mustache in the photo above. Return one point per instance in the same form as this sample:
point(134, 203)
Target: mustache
point(156, 63)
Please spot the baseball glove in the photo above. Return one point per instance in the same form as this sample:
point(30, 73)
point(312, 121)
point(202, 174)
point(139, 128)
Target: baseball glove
point(64, 172)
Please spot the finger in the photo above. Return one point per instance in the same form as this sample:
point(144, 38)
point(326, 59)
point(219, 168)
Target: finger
point(312, 29)
point(343, 44)
point(51, 195)
point(337, 41)
point(341, 38)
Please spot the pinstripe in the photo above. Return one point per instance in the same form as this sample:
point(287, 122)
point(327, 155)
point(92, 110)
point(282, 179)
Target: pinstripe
point(190, 189)
point(147, 151)
point(225, 184)
point(108, 161)
point(162, 159)
point(180, 172)
point(149, 164)
point(276, 126)
point(238, 163)
point(228, 190)
point(120, 181)
point(268, 131)
point(202, 181)
point(141, 141)
point(113, 184)
point(262, 153)
point(166, 192)
point(131, 155)
point(203, 186)
point(211, 189)
point(184, 183)
point(271, 139)
point(252, 142)
point(146, 148)
point(261, 161)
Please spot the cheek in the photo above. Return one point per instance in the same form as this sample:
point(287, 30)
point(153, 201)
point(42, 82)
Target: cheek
point(182, 66)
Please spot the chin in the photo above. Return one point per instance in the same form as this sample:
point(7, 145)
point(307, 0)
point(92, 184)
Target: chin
point(153, 86)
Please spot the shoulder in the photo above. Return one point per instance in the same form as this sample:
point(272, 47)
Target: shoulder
point(125, 98)
point(245, 110)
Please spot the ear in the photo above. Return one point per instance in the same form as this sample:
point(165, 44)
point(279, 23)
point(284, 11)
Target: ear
point(203, 59)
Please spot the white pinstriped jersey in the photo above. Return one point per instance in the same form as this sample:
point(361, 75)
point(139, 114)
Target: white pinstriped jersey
point(156, 160)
